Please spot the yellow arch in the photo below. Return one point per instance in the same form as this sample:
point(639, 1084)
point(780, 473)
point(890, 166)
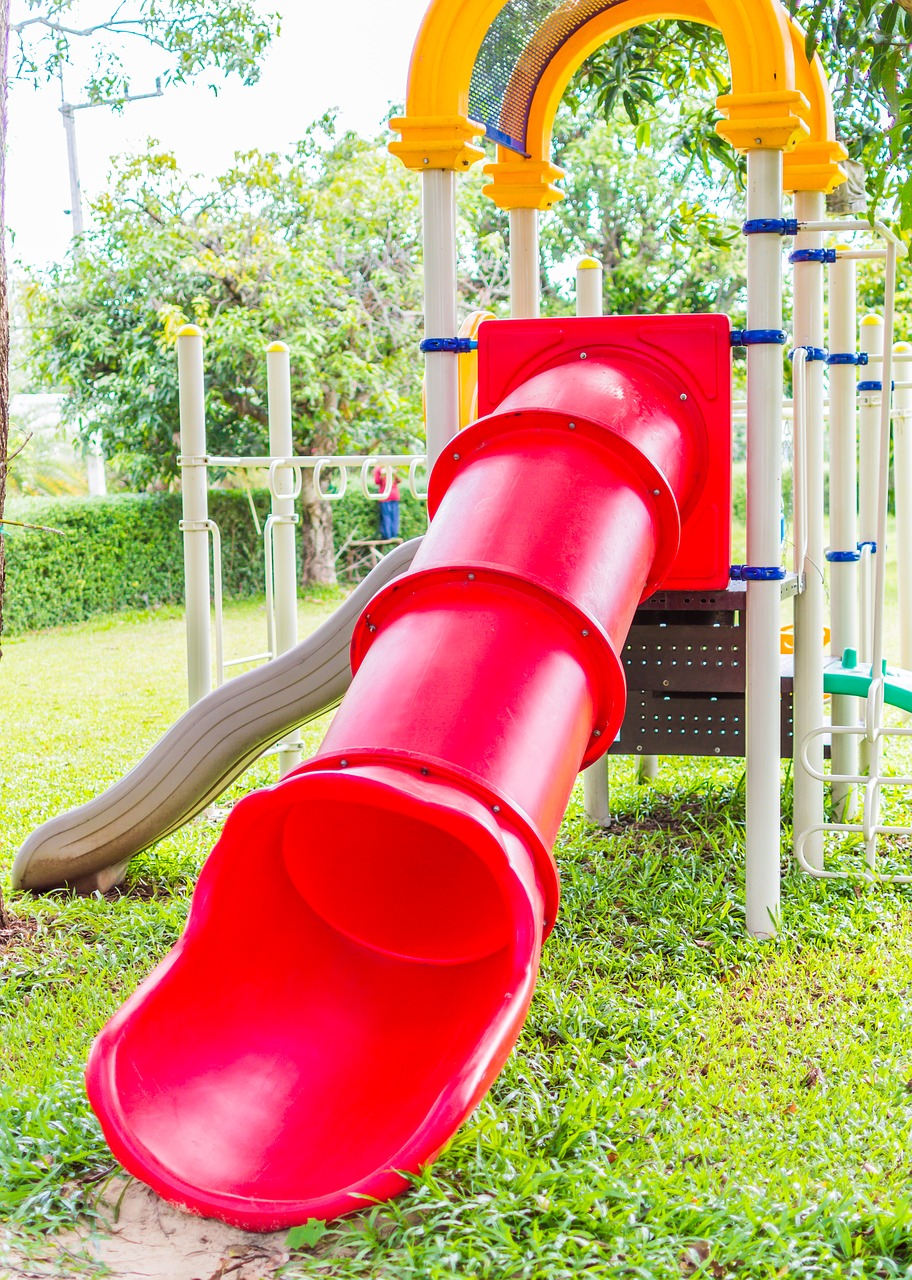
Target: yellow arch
point(814, 163)
point(811, 166)
point(763, 109)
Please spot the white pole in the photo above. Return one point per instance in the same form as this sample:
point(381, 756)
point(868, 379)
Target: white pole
point(194, 497)
point(843, 379)
point(525, 265)
point(441, 381)
point(597, 778)
point(869, 407)
point(282, 529)
point(764, 493)
point(69, 128)
point(902, 490)
point(810, 206)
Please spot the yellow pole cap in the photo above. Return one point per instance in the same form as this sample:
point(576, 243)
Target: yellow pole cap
point(588, 264)
point(189, 331)
point(871, 320)
point(900, 348)
point(276, 346)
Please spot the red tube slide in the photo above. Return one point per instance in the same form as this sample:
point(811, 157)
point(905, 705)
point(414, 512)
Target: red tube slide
point(364, 939)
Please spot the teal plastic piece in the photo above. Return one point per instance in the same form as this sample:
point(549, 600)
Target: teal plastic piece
point(854, 682)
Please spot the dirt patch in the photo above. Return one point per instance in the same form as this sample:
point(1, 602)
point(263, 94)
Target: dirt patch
point(140, 1237)
point(15, 931)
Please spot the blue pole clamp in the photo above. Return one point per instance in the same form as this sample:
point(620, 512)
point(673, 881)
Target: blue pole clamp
point(812, 255)
point(757, 573)
point(770, 226)
point(843, 557)
point(758, 337)
point(872, 545)
point(874, 386)
point(813, 353)
point(454, 346)
point(848, 357)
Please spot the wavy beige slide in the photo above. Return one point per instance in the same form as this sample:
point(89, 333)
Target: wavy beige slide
point(88, 848)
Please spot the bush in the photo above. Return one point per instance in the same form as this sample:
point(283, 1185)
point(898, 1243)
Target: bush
point(126, 552)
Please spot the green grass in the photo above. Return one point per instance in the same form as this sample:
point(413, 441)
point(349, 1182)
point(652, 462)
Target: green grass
point(683, 1101)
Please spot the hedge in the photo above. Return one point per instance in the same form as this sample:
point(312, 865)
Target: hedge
point(125, 552)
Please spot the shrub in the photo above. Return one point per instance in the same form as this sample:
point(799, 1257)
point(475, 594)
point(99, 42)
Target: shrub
point(126, 552)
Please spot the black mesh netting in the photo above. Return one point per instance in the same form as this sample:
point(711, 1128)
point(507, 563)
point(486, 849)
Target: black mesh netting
point(520, 43)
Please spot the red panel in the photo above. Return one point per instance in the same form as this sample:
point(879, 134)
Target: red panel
point(690, 355)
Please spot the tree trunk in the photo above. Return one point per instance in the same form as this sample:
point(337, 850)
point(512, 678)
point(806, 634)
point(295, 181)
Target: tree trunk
point(318, 564)
point(4, 306)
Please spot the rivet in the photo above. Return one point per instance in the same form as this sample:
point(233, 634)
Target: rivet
point(596, 733)
point(656, 493)
point(471, 577)
point(759, 141)
point(425, 772)
point(427, 160)
point(683, 395)
point(455, 457)
point(583, 355)
point(343, 764)
point(572, 426)
point(495, 808)
point(585, 633)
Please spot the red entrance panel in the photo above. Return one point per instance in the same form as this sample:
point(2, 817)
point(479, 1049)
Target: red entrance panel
point(690, 355)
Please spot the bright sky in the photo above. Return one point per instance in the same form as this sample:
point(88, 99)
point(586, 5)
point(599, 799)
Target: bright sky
point(352, 55)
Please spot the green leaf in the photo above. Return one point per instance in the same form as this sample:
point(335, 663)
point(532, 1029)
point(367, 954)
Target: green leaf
point(307, 1235)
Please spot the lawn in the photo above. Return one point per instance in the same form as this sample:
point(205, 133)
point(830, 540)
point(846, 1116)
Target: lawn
point(683, 1101)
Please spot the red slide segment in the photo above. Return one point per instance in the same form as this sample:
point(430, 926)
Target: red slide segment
point(364, 939)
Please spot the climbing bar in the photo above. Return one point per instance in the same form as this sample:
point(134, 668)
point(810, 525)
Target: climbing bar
point(758, 337)
point(453, 346)
point(811, 353)
point(757, 573)
point(770, 226)
point(869, 544)
point(812, 255)
point(848, 357)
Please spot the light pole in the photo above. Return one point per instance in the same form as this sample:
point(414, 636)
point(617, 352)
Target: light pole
point(68, 111)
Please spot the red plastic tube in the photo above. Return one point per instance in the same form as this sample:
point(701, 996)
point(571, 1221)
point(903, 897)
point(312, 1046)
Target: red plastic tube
point(365, 937)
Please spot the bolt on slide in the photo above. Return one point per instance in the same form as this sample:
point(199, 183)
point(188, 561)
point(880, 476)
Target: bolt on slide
point(364, 939)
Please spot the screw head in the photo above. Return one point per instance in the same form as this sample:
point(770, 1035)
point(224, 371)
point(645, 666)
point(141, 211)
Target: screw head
point(572, 426)
point(471, 577)
point(683, 395)
point(583, 355)
point(656, 493)
point(495, 808)
point(343, 764)
point(596, 733)
point(455, 457)
point(425, 772)
point(372, 628)
point(585, 632)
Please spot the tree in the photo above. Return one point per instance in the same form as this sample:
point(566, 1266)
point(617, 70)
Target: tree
point(866, 47)
point(319, 248)
point(193, 36)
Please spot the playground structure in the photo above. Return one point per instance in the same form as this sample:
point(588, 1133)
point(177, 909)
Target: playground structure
point(406, 869)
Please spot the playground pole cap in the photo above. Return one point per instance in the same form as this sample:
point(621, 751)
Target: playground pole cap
point(277, 346)
point(588, 264)
point(900, 348)
point(870, 320)
point(189, 331)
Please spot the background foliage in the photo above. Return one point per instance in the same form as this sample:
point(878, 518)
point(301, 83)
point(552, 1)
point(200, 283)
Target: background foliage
point(126, 552)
